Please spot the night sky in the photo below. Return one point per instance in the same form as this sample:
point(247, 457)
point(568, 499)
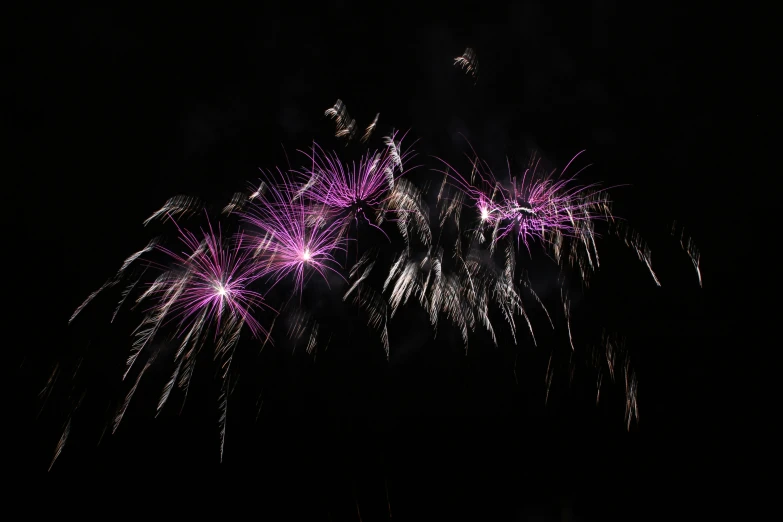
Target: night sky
point(114, 111)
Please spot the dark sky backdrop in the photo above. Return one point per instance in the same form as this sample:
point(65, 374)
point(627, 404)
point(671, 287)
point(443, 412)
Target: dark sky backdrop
point(116, 110)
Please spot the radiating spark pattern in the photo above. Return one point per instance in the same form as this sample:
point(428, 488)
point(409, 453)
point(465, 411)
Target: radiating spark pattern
point(366, 193)
point(533, 206)
point(209, 278)
point(293, 240)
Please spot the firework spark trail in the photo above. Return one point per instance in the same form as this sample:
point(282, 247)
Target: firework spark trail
point(260, 191)
point(361, 270)
point(345, 125)
point(611, 356)
point(117, 277)
point(631, 404)
point(46, 392)
point(237, 203)
point(167, 389)
point(548, 379)
point(124, 406)
point(312, 342)
point(599, 381)
point(571, 369)
point(367, 298)
point(195, 338)
point(347, 132)
point(186, 377)
point(525, 280)
point(463, 296)
point(66, 431)
point(411, 212)
point(567, 312)
point(634, 240)
point(225, 352)
point(295, 242)
point(105, 424)
point(370, 128)
point(451, 293)
point(468, 62)
point(224, 392)
point(499, 284)
point(176, 207)
point(690, 248)
point(125, 294)
point(302, 322)
point(61, 442)
point(297, 326)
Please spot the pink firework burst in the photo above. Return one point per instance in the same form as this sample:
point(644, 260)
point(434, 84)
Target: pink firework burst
point(358, 191)
point(533, 206)
point(296, 236)
point(209, 280)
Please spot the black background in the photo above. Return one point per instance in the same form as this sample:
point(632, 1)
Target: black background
point(113, 111)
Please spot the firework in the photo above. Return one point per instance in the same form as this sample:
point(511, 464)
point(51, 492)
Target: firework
point(205, 286)
point(114, 280)
point(468, 62)
point(370, 128)
point(208, 284)
point(367, 298)
point(300, 221)
point(209, 280)
point(295, 239)
point(237, 203)
point(345, 125)
point(532, 209)
point(611, 356)
point(178, 206)
point(365, 193)
point(687, 244)
point(533, 206)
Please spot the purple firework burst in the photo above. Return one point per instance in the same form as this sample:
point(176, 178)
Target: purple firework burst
point(533, 206)
point(296, 235)
point(357, 191)
point(209, 280)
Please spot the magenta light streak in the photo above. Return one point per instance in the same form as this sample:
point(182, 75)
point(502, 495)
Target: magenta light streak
point(214, 279)
point(294, 237)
